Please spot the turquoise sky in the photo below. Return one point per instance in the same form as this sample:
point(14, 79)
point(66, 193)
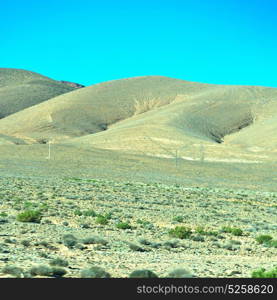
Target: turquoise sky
point(226, 42)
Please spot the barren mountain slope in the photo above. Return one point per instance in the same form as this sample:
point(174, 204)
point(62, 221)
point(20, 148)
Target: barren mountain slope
point(93, 109)
point(20, 89)
point(158, 116)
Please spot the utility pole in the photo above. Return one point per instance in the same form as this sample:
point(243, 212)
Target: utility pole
point(49, 150)
point(202, 153)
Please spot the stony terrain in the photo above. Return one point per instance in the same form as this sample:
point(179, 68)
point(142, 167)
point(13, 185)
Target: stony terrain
point(72, 205)
point(147, 172)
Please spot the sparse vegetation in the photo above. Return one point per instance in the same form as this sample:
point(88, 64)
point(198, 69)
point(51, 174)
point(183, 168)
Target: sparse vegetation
point(263, 239)
point(70, 240)
point(145, 224)
point(102, 220)
point(231, 245)
point(26, 243)
point(148, 204)
point(198, 238)
point(181, 232)
point(180, 273)
point(94, 272)
point(135, 247)
point(107, 172)
point(172, 244)
point(78, 212)
point(143, 274)
point(89, 213)
point(263, 273)
point(58, 272)
point(59, 262)
point(13, 270)
point(144, 242)
point(46, 271)
point(202, 231)
point(41, 271)
point(33, 216)
point(123, 225)
point(273, 243)
point(178, 219)
point(95, 240)
point(234, 231)
point(266, 240)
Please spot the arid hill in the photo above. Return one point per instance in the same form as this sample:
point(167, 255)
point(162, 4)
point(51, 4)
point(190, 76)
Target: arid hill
point(20, 89)
point(156, 115)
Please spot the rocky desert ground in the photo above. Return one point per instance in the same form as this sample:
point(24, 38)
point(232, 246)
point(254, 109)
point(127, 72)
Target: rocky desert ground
point(152, 175)
point(125, 225)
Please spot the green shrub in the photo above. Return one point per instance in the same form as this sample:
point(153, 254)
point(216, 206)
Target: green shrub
point(70, 240)
point(143, 274)
point(58, 272)
point(179, 273)
point(237, 232)
point(262, 273)
point(142, 222)
point(44, 207)
point(10, 241)
point(86, 213)
point(13, 270)
point(201, 230)
point(78, 212)
point(42, 254)
point(123, 225)
point(94, 272)
point(232, 230)
point(29, 216)
point(41, 271)
point(89, 213)
point(231, 245)
point(27, 275)
point(235, 242)
point(178, 219)
point(263, 239)
point(145, 224)
point(29, 205)
point(85, 225)
point(59, 262)
point(144, 242)
point(46, 245)
point(180, 232)
point(108, 215)
point(25, 243)
point(94, 240)
point(198, 238)
point(135, 247)
point(172, 244)
point(47, 271)
point(272, 243)
point(266, 240)
point(102, 220)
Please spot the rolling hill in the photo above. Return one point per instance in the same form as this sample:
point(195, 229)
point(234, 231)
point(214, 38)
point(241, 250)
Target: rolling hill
point(150, 154)
point(158, 116)
point(20, 89)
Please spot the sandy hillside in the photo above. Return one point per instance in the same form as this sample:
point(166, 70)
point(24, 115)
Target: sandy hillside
point(20, 89)
point(156, 115)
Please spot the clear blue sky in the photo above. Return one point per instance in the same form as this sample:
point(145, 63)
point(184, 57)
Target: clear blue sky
point(87, 41)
